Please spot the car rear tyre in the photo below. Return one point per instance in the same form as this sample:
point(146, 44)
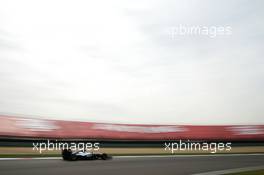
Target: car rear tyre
point(104, 156)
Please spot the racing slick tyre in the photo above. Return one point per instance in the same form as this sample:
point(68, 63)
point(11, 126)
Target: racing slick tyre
point(66, 154)
point(104, 156)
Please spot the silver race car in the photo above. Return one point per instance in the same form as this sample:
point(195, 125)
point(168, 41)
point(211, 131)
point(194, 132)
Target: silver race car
point(68, 154)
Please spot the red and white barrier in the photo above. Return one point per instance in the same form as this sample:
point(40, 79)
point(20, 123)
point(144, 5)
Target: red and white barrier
point(42, 128)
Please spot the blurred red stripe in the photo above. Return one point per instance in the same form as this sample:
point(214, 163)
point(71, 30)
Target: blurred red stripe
point(11, 126)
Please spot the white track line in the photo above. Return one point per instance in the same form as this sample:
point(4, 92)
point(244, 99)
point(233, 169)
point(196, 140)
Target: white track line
point(147, 156)
point(205, 155)
point(34, 158)
point(228, 171)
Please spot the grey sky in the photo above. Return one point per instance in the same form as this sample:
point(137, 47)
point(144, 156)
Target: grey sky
point(114, 61)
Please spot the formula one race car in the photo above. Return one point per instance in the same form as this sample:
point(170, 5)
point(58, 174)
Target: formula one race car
point(67, 154)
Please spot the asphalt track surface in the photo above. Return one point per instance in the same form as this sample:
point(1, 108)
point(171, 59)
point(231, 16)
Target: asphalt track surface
point(130, 165)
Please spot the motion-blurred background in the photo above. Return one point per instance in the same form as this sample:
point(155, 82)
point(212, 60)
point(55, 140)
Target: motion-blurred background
point(116, 72)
